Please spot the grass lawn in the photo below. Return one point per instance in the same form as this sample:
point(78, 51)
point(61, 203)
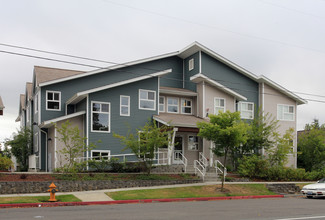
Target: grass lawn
point(192, 191)
point(37, 199)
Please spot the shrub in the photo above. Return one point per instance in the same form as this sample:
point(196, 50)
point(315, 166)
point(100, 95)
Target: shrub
point(253, 167)
point(116, 166)
point(100, 165)
point(5, 163)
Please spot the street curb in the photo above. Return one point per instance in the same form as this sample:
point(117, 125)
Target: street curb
point(57, 204)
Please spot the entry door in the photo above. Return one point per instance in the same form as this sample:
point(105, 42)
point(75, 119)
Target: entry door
point(178, 149)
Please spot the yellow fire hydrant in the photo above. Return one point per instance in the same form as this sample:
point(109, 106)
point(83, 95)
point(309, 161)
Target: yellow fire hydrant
point(52, 191)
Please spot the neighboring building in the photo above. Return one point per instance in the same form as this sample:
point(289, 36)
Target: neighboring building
point(177, 89)
point(1, 106)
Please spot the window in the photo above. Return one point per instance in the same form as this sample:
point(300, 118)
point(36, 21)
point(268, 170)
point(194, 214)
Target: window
point(186, 106)
point(53, 100)
point(191, 64)
point(36, 143)
point(147, 99)
point(286, 112)
point(161, 104)
point(246, 110)
point(27, 113)
point(219, 105)
point(36, 103)
point(193, 142)
point(100, 154)
point(124, 105)
point(172, 105)
point(100, 116)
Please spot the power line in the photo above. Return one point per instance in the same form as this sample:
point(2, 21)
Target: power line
point(130, 72)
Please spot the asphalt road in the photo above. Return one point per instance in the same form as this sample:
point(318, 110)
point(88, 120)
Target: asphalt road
point(278, 209)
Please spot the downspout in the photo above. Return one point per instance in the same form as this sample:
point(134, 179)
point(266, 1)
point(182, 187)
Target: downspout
point(46, 145)
point(262, 100)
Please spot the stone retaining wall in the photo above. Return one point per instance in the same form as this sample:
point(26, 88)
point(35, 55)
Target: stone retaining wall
point(71, 186)
point(283, 188)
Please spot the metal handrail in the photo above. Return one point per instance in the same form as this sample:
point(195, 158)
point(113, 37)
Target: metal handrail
point(203, 159)
point(224, 171)
point(197, 166)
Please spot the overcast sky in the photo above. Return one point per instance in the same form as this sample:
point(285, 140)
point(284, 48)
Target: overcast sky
point(281, 39)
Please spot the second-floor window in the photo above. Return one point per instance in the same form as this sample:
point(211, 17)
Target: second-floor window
point(286, 112)
point(147, 99)
point(124, 105)
point(186, 106)
point(100, 112)
point(219, 105)
point(172, 105)
point(53, 100)
point(36, 103)
point(246, 110)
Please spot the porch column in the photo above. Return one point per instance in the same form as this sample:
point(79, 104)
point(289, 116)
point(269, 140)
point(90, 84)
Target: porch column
point(171, 146)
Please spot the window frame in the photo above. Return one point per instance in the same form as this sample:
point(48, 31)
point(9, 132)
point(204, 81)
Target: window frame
point(163, 104)
point(47, 101)
point(154, 101)
point(100, 152)
point(108, 113)
point(173, 105)
point(283, 113)
point(191, 64)
point(128, 105)
point(191, 107)
point(36, 105)
point(214, 105)
point(36, 146)
point(240, 109)
point(197, 144)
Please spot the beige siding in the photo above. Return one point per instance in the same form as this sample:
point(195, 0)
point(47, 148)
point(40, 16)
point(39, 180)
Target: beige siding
point(272, 98)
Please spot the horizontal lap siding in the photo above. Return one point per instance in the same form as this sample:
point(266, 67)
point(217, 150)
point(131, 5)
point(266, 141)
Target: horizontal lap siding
point(121, 124)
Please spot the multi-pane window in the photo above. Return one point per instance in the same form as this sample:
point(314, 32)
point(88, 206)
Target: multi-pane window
point(161, 104)
point(246, 110)
point(193, 142)
point(191, 64)
point(186, 106)
point(172, 105)
point(100, 116)
point(100, 154)
point(147, 99)
point(219, 105)
point(53, 100)
point(286, 112)
point(124, 105)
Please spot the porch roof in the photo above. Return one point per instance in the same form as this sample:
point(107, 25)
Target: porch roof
point(178, 120)
point(50, 123)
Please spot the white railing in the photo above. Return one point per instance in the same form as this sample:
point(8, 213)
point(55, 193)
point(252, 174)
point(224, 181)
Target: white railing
point(161, 158)
point(220, 168)
point(199, 168)
point(203, 159)
point(179, 157)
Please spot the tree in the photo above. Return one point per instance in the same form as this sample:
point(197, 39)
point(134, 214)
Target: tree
point(262, 133)
point(21, 147)
point(74, 145)
point(311, 147)
point(278, 155)
point(226, 131)
point(146, 141)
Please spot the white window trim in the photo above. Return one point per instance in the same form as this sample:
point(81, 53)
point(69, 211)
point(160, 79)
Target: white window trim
point(148, 109)
point(240, 110)
point(188, 141)
point(164, 110)
point(36, 149)
point(28, 113)
point(49, 109)
point(191, 64)
point(109, 116)
point(128, 105)
point(173, 105)
point(214, 105)
point(36, 104)
point(100, 151)
point(182, 99)
point(282, 119)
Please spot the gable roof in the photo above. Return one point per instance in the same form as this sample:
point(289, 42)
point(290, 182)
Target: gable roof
point(1, 104)
point(187, 51)
point(200, 77)
point(29, 90)
point(48, 74)
point(22, 98)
